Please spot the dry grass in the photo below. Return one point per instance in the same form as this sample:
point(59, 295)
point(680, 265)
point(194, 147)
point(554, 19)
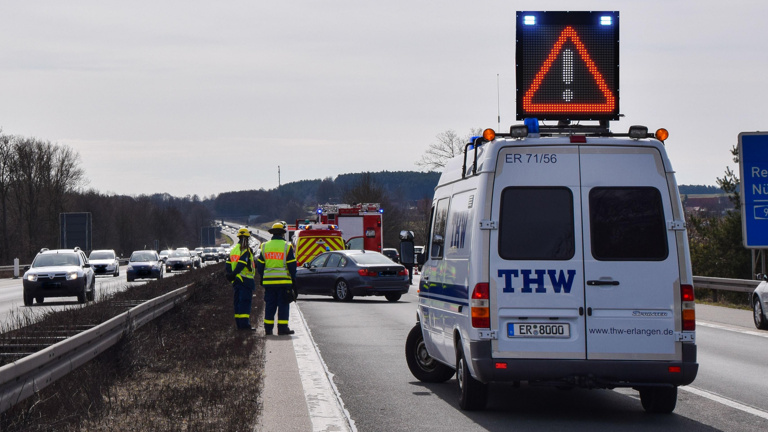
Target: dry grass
point(189, 370)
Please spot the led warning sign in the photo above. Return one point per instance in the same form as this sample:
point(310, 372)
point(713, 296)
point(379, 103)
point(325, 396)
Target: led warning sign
point(567, 65)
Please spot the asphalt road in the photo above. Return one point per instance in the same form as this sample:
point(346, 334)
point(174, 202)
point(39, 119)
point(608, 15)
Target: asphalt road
point(362, 345)
point(12, 307)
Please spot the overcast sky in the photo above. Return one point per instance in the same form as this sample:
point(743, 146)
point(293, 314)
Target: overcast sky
point(160, 96)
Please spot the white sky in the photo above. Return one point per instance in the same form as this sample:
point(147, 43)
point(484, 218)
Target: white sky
point(175, 96)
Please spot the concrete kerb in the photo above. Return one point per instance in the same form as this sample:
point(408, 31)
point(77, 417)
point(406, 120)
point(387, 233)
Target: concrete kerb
point(298, 392)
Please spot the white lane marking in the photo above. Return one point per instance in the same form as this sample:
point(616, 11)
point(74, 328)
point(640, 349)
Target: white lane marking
point(326, 409)
point(733, 329)
point(725, 401)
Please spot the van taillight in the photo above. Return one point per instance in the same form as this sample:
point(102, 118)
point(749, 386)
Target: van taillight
point(689, 307)
point(480, 306)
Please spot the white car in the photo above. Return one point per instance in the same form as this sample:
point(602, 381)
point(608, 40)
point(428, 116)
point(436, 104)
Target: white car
point(104, 262)
point(759, 303)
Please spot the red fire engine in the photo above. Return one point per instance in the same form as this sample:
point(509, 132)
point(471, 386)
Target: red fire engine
point(360, 224)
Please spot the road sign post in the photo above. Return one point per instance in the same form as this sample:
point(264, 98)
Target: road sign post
point(753, 169)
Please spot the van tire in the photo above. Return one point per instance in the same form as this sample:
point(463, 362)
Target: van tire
point(421, 364)
point(658, 400)
point(341, 291)
point(759, 314)
point(473, 394)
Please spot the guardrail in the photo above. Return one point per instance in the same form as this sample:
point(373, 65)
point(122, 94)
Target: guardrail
point(24, 377)
point(723, 284)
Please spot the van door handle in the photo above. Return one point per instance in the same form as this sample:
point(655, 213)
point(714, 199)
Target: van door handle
point(601, 282)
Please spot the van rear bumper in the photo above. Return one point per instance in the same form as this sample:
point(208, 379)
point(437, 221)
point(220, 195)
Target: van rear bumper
point(585, 373)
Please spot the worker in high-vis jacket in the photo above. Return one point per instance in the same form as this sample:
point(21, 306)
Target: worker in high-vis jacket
point(241, 270)
point(276, 265)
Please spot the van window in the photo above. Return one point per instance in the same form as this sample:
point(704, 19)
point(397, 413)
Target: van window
point(438, 229)
point(459, 221)
point(627, 224)
point(536, 223)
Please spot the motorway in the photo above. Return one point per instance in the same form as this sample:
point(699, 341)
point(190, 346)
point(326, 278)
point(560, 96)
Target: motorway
point(13, 311)
point(362, 346)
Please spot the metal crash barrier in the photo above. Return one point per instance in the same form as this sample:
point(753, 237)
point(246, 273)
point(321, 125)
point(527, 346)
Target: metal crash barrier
point(23, 378)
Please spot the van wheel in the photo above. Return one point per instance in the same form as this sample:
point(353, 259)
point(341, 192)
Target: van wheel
point(421, 364)
point(28, 298)
point(392, 297)
point(472, 393)
point(759, 316)
point(341, 291)
point(658, 400)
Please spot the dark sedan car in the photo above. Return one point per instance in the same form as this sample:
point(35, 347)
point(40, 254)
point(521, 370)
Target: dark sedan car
point(347, 273)
point(144, 264)
point(179, 259)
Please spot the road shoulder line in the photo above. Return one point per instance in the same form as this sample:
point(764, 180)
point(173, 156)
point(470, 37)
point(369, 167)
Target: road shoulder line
point(326, 408)
point(725, 401)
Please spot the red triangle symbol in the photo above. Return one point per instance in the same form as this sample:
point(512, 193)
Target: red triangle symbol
point(606, 107)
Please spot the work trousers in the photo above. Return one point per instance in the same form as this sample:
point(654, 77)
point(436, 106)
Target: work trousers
point(274, 299)
point(243, 299)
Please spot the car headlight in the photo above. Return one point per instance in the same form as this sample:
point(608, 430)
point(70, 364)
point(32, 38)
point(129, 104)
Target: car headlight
point(72, 276)
point(32, 277)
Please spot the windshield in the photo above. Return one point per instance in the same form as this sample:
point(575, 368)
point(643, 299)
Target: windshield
point(371, 258)
point(102, 255)
point(51, 260)
point(143, 256)
point(179, 253)
point(165, 253)
point(210, 250)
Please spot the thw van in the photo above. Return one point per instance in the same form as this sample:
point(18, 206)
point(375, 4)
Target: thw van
point(557, 258)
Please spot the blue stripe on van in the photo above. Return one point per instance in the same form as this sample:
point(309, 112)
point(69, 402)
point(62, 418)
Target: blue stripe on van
point(447, 299)
point(458, 294)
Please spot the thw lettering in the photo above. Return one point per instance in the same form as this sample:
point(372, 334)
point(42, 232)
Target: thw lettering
point(533, 281)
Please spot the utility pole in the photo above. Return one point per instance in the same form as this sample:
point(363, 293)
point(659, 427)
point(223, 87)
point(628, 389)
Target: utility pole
point(498, 103)
point(278, 176)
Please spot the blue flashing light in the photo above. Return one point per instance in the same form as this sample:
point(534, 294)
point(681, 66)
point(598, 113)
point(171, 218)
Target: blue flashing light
point(381, 210)
point(319, 211)
point(529, 19)
point(606, 20)
point(532, 124)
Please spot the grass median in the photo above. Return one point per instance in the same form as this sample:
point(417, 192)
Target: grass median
point(188, 370)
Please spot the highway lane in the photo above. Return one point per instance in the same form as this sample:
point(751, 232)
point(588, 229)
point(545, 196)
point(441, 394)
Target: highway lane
point(12, 306)
point(362, 344)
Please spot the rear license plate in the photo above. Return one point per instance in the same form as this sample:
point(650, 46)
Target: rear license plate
point(539, 330)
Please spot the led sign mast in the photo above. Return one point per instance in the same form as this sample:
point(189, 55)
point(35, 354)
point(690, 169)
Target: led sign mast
point(567, 66)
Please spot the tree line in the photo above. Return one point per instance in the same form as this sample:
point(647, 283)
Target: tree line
point(39, 180)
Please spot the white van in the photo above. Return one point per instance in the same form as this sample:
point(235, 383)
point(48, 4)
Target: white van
point(558, 258)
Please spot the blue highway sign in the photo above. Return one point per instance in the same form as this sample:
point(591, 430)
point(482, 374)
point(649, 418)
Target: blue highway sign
point(753, 166)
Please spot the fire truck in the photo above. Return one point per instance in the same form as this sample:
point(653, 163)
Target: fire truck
point(312, 239)
point(360, 224)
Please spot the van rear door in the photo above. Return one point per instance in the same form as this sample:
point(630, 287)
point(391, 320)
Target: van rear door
point(630, 256)
point(536, 258)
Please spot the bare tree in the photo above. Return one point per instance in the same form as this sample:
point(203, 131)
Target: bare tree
point(449, 145)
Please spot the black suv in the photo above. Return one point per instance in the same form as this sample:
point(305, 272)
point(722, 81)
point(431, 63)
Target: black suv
point(59, 273)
